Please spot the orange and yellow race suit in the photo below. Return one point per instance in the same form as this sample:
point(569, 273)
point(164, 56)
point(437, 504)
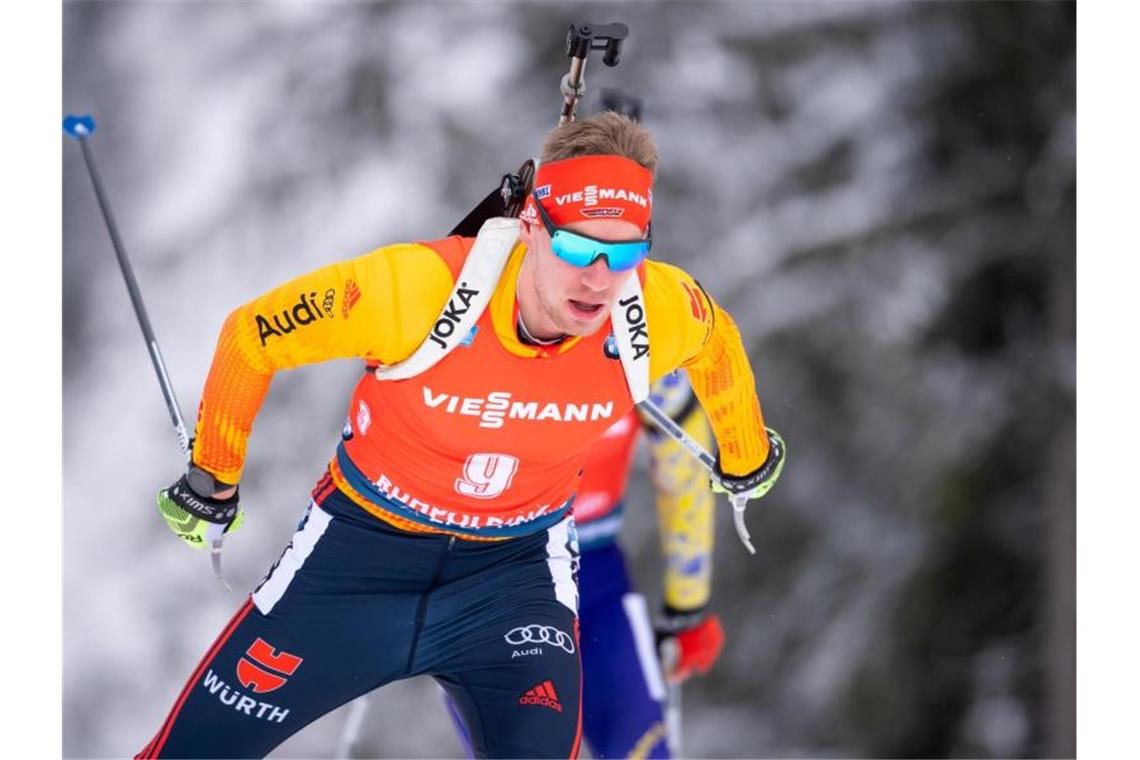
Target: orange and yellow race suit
point(490, 442)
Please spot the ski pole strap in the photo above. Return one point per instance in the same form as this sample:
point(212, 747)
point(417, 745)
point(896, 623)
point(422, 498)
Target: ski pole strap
point(216, 563)
point(738, 505)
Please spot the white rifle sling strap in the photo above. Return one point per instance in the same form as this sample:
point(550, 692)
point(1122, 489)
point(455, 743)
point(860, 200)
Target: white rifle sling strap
point(472, 292)
point(469, 298)
point(631, 333)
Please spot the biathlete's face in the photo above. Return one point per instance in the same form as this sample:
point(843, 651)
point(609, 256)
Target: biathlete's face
point(576, 300)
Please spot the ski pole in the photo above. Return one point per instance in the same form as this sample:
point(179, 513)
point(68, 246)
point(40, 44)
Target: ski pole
point(670, 655)
point(673, 732)
point(80, 128)
point(677, 433)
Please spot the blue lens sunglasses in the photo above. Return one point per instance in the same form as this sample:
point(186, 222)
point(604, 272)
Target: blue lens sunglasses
point(583, 250)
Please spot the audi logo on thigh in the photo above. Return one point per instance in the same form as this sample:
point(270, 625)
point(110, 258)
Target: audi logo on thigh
point(541, 634)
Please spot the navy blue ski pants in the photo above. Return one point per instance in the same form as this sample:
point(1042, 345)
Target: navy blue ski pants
point(623, 689)
point(354, 603)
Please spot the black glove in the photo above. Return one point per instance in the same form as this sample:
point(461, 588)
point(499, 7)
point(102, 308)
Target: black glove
point(196, 518)
point(758, 482)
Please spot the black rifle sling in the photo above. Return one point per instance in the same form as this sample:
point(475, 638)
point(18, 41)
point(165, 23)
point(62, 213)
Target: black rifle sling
point(505, 200)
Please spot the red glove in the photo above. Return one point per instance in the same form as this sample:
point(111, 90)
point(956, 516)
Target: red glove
point(697, 639)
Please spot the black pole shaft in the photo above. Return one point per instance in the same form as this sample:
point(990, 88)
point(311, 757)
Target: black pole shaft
point(136, 300)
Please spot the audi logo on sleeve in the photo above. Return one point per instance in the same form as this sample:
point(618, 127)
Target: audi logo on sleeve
point(539, 634)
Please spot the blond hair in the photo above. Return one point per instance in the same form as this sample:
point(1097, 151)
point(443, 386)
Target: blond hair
point(605, 134)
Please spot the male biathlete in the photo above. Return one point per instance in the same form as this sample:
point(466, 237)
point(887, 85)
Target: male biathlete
point(443, 523)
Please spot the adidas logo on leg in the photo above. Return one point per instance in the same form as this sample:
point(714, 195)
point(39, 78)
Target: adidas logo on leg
point(543, 695)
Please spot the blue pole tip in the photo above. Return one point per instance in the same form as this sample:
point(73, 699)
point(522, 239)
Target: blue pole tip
point(79, 126)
